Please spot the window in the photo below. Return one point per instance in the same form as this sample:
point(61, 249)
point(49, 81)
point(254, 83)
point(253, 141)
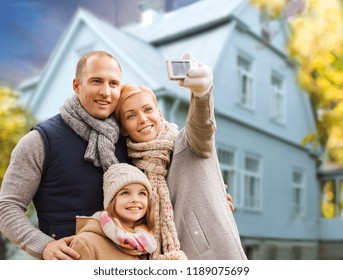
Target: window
point(227, 165)
point(298, 195)
point(328, 199)
point(252, 191)
point(332, 198)
point(245, 81)
point(340, 207)
point(278, 107)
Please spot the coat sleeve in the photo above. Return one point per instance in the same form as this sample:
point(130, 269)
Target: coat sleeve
point(18, 188)
point(200, 125)
point(81, 247)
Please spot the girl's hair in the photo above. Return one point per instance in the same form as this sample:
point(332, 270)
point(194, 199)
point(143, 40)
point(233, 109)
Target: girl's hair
point(148, 219)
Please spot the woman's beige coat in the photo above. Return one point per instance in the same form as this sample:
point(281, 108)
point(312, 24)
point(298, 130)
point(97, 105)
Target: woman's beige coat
point(205, 224)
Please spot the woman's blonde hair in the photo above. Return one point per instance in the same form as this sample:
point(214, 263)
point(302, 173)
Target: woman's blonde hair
point(129, 90)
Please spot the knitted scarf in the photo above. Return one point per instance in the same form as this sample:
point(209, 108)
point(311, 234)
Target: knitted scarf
point(138, 242)
point(153, 157)
point(102, 135)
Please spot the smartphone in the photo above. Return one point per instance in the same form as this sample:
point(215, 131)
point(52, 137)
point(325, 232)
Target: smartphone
point(177, 68)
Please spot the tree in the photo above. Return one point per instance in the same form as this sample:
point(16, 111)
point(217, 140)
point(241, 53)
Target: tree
point(316, 44)
point(15, 121)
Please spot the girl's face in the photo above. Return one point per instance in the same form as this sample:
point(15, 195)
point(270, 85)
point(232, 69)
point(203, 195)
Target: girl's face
point(140, 118)
point(131, 203)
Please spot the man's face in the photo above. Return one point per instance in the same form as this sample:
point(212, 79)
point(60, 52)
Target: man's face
point(99, 89)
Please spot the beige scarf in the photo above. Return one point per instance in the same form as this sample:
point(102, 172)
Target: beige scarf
point(153, 158)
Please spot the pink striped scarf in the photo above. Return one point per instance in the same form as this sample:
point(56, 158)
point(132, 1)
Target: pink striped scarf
point(138, 242)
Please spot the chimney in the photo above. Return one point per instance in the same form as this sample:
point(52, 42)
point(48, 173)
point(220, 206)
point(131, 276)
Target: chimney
point(150, 12)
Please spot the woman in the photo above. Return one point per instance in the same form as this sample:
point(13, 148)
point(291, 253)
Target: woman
point(205, 225)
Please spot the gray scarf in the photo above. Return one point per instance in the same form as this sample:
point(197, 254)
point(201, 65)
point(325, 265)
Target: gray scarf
point(102, 135)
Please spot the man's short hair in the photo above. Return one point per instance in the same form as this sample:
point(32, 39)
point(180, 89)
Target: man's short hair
point(83, 61)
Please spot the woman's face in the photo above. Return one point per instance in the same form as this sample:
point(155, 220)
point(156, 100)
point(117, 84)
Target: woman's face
point(131, 203)
point(140, 118)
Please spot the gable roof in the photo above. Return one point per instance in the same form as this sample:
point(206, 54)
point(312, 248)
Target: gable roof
point(143, 48)
point(176, 24)
point(125, 47)
point(211, 21)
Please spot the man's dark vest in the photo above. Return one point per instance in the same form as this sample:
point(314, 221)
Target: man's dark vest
point(70, 186)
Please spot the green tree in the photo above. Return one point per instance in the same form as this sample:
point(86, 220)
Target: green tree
point(316, 44)
point(15, 121)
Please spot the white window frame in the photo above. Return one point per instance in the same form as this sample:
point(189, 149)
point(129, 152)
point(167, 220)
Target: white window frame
point(298, 193)
point(252, 185)
point(278, 98)
point(232, 174)
point(245, 82)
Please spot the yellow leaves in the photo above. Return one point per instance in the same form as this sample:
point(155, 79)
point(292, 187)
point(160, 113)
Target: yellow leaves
point(333, 122)
point(328, 200)
point(311, 138)
point(319, 28)
point(335, 137)
point(14, 123)
point(7, 100)
point(10, 120)
point(316, 44)
point(328, 210)
point(273, 7)
point(323, 59)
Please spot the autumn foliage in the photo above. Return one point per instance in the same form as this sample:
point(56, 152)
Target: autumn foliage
point(316, 44)
point(15, 121)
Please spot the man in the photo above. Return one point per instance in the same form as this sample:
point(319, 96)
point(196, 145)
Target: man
point(60, 163)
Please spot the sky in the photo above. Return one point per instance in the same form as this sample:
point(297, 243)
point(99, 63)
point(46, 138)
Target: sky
point(30, 29)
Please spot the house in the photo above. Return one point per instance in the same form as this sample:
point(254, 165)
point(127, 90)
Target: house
point(261, 113)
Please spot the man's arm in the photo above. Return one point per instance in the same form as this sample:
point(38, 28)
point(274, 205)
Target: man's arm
point(18, 188)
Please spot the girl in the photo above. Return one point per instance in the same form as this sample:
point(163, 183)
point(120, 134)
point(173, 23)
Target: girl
point(123, 230)
point(205, 225)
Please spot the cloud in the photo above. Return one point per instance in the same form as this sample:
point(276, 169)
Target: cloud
point(31, 29)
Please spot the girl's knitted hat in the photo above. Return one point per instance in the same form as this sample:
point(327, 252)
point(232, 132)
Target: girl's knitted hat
point(120, 175)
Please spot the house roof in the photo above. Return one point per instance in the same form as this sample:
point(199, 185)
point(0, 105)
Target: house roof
point(144, 47)
point(168, 26)
point(130, 49)
point(141, 57)
point(134, 45)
